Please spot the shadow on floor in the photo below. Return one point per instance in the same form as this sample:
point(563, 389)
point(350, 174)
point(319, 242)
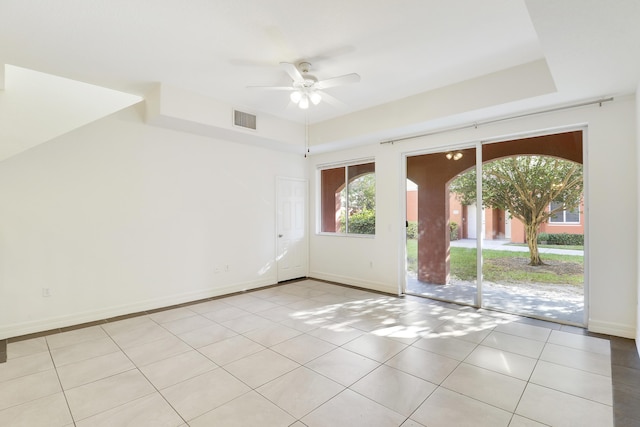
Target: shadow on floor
point(566, 306)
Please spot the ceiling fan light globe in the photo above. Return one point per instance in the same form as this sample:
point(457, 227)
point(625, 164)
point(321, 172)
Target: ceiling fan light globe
point(304, 103)
point(296, 96)
point(315, 98)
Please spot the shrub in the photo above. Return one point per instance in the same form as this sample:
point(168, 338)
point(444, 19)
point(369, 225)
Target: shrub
point(562, 239)
point(363, 222)
point(453, 229)
point(412, 230)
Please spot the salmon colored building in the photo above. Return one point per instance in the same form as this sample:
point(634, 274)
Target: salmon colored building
point(497, 224)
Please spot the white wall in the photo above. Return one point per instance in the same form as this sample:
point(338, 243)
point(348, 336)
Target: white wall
point(119, 216)
point(370, 262)
point(611, 196)
point(637, 337)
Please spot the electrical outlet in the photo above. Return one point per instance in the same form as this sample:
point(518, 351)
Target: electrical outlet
point(226, 268)
point(46, 292)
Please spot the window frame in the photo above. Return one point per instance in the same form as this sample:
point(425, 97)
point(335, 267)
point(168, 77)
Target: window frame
point(564, 216)
point(320, 191)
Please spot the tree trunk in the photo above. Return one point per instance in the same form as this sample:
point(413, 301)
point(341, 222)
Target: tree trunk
point(532, 241)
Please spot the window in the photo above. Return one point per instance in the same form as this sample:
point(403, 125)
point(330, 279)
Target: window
point(564, 216)
point(348, 199)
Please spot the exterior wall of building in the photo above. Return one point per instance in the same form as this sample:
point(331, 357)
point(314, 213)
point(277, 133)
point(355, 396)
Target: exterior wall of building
point(412, 205)
point(494, 221)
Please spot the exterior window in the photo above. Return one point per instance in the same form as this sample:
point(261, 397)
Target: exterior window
point(349, 199)
point(564, 216)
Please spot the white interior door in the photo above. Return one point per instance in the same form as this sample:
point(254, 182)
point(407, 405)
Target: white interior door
point(292, 247)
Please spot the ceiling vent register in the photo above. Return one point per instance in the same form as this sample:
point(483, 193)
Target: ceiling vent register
point(244, 120)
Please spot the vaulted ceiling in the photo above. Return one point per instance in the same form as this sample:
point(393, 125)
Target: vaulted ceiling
point(402, 49)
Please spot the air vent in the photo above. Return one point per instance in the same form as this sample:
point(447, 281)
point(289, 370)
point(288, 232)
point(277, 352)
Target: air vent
point(244, 120)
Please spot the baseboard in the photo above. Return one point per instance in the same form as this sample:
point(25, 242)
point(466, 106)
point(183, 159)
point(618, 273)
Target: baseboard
point(611, 328)
point(345, 280)
point(47, 324)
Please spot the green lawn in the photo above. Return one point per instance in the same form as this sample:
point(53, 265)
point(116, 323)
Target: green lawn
point(509, 267)
point(573, 247)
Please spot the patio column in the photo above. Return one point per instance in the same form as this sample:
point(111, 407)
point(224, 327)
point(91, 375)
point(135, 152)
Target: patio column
point(432, 174)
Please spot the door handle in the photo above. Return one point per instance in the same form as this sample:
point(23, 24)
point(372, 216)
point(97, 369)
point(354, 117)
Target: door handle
point(279, 235)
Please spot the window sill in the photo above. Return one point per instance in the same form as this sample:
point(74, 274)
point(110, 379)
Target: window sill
point(357, 236)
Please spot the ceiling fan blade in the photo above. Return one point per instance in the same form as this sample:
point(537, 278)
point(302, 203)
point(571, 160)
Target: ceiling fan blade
point(338, 81)
point(334, 102)
point(293, 71)
point(289, 88)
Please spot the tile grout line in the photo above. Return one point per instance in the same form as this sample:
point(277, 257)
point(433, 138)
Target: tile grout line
point(365, 332)
point(438, 386)
point(137, 368)
point(55, 368)
point(514, 413)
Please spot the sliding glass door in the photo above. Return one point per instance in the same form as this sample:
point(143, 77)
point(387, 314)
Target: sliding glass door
point(522, 208)
point(440, 263)
point(533, 249)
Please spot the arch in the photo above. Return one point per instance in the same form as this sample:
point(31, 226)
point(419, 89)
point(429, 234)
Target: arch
point(433, 173)
point(332, 183)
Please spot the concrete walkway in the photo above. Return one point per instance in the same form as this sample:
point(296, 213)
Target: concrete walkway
point(554, 302)
point(504, 245)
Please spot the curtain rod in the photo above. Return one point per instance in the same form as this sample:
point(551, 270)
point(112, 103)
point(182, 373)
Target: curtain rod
point(501, 119)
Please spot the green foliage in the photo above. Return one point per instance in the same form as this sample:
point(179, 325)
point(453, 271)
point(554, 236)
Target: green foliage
point(412, 255)
point(361, 206)
point(464, 187)
point(362, 192)
point(564, 239)
point(543, 237)
point(412, 230)
point(363, 222)
point(453, 230)
point(525, 186)
point(463, 266)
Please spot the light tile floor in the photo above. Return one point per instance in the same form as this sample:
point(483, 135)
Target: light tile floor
point(311, 354)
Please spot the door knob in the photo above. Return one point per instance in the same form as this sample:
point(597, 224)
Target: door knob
point(279, 235)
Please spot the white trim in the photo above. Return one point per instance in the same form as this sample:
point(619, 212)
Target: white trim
point(338, 234)
point(564, 215)
point(353, 281)
point(402, 249)
point(441, 149)
point(306, 218)
point(478, 144)
point(480, 226)
point(489, 122)
point(23, 328)
point(533, 133)
point(585, 203)
point(345, 165)
point(335, 165)
point(612, 328)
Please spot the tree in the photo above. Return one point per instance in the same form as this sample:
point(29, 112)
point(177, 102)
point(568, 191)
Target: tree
point(362, 193)
point(361, 205)
point(525, 186)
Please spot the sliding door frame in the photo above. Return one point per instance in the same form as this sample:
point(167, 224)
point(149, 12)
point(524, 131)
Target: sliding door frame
point(478, 145)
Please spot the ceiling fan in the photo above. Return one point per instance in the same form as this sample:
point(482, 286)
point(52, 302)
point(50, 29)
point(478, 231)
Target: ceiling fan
point(306, 89)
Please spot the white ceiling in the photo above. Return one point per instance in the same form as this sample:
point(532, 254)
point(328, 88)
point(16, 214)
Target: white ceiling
point(400, 48)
